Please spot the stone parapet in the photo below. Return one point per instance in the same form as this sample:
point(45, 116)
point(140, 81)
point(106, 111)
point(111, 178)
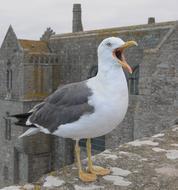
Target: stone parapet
point(148, 163)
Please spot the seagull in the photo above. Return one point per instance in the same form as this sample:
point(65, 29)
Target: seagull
point(86, 109)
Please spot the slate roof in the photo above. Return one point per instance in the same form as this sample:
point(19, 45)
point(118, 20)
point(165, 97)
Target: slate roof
point(34, 46)
point(120, 30)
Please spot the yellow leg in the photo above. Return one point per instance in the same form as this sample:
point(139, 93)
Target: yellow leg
point(95, 169)
point(85, 177)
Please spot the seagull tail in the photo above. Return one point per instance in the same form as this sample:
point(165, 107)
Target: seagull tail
point(31, 131)
point(22, 119)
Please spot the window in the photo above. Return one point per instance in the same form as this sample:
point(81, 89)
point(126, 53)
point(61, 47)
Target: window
point(38, 78)
point(56, 60)
point(52, 59)
point(46, 59)
point(133, 80)
point(7, 122)
point(9, 77)
point(36, 59)
point(31, 59)
point(98, 143)
point(93, 71)
point(42, 59)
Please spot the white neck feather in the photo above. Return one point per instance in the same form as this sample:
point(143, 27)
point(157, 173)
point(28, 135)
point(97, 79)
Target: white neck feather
point(111, 73)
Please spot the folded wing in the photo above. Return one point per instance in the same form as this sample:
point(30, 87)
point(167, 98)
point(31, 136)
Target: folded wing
point(67, 104)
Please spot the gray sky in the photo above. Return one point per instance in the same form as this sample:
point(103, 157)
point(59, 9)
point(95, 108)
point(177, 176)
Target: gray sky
point(30, 18)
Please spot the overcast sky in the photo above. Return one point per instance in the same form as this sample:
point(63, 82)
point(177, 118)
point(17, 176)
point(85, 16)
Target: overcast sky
point(30, 18)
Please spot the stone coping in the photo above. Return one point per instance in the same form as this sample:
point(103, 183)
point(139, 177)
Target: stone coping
point(145, 164)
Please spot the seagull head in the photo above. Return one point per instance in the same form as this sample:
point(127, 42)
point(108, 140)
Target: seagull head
point(111, 52)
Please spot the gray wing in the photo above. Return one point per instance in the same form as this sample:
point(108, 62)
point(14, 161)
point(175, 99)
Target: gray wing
point(65, 105)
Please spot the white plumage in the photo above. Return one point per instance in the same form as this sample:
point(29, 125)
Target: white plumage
point(110, 99)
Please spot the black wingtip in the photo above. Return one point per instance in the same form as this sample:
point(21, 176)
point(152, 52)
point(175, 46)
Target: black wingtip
point(23, 115)
point(22, 118)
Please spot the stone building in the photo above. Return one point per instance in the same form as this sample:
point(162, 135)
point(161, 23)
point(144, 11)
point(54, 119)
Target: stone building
point(30, 70)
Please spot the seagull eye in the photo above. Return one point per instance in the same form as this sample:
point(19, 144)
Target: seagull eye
point(109, 44)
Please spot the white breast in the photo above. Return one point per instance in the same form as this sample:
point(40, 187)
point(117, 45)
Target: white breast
point(110, 100)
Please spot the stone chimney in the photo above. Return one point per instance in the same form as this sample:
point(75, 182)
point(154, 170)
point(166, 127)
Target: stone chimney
point(151, 20)
point(77, 18)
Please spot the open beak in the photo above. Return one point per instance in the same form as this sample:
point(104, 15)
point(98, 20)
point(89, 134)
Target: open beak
point(118, 53)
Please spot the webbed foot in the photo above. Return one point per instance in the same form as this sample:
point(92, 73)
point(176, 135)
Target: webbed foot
point(99, 170)
point(87, 177)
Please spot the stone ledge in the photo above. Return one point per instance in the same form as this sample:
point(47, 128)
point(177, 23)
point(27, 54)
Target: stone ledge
point(145, 164)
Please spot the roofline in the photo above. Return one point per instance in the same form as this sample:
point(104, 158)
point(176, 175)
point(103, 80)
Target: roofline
point(30, 40)
point(142, 27)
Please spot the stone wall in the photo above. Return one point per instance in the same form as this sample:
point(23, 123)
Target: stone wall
point(21, 160)
point(37, 151)
point(144, 164)
point(7, 145)
point(157, 103)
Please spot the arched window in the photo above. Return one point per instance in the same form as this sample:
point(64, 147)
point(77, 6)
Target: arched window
point(93, 71)
point(47, 59)
point(41, 59)
point(56, 60)
point(133, 80)
point(52, 59)
point(36, 59)
point(38, 78)
point(7, 122)
point(31, 59)
point(9, 77)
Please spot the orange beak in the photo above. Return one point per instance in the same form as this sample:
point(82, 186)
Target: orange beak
point(118, 53)
point(126, 66)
